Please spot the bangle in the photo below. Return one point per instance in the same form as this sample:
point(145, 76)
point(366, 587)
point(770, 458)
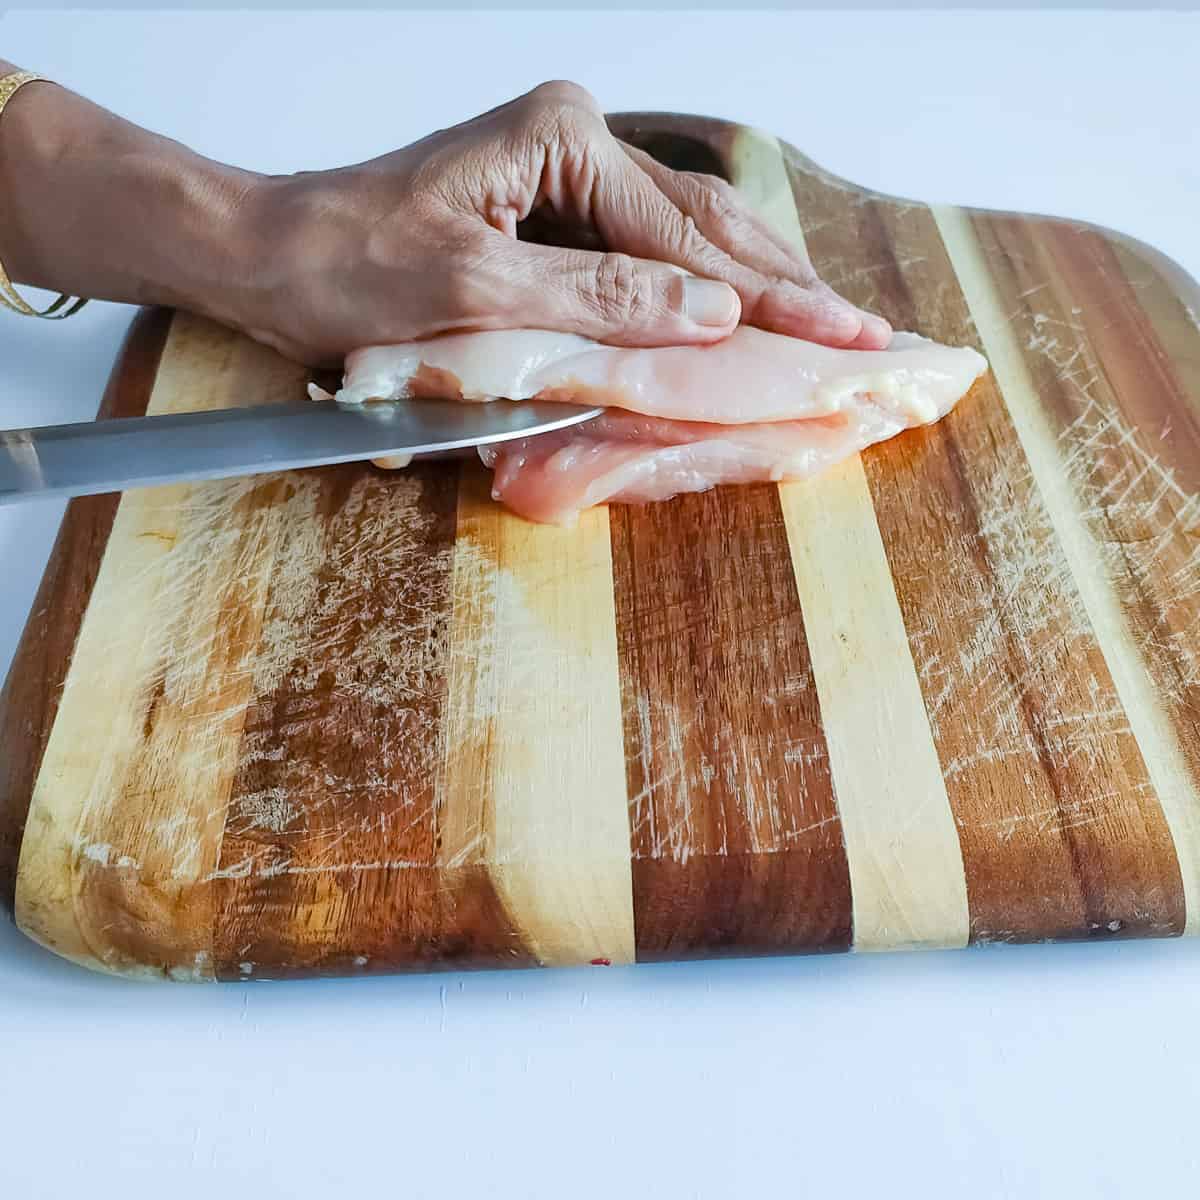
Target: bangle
point(64, 306)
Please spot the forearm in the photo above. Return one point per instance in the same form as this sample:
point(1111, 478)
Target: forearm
point(92, 205)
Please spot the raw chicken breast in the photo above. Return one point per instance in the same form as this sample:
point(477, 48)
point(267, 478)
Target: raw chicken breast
point(749, 377)
point(624, 457)
point(756, 406)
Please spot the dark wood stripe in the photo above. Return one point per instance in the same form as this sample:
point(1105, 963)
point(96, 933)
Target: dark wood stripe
point(1169, 299)
point(329, 862)
point(1061, 834)
point(366, 923)
point(1091, 306)
point(29, 700)
point(736, 841)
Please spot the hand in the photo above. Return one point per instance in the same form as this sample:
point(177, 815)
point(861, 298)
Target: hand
point(425, 240)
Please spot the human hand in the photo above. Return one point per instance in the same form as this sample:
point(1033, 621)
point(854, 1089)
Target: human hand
point(424, 240)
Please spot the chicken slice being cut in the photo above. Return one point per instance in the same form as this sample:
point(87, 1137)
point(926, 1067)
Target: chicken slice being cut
point(627, 458)
point(756, 406)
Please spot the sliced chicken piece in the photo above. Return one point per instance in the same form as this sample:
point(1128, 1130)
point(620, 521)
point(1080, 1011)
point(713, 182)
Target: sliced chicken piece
point(628, 458)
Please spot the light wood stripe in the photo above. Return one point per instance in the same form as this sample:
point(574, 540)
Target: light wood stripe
point(758, 171)
point(126, 814)
point(88, 751)
point(534, 786)
point(906, 869)
point(1149, 720)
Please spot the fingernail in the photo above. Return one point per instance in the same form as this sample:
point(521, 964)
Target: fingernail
point(708, 301)
point(878, 329)
point(846, 319)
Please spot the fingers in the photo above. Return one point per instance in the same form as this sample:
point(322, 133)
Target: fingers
point(817, 315)
point(876, 332)
point(724, 217)
point(636, 216)
point(791, 298)
point(551, 155)
point(611, 297)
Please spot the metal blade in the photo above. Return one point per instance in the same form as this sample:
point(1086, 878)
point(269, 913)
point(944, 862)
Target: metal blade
point(112, 455)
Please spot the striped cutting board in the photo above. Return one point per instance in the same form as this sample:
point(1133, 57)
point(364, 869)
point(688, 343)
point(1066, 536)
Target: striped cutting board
point(342, 721)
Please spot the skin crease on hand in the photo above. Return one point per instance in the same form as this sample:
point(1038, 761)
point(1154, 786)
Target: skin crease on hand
point(425, 240)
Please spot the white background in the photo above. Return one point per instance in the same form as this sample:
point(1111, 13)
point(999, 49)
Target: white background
point(1057, 1071)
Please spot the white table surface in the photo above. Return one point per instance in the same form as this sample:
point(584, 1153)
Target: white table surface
point(1040, 1071)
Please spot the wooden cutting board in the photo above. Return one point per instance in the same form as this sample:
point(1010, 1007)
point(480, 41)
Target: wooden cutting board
point(345, 721)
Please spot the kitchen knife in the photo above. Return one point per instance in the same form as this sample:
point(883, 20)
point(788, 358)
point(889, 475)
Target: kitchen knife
point(112, 455)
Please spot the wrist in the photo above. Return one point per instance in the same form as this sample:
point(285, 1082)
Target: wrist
point(200, 255)
point(92, 205)
point(30, 144)
point(288, 237)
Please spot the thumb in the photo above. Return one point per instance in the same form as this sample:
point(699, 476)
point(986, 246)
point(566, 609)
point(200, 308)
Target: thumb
point(615, 298)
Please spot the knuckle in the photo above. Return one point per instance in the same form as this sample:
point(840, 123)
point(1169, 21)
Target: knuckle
point(621, 290)
point(559, 109)
point(562, 93)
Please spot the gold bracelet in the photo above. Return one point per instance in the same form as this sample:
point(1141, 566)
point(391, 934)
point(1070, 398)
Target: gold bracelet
point(64, 306)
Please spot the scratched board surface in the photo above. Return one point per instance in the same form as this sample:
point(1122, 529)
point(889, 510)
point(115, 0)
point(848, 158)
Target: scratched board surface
point(347, 721)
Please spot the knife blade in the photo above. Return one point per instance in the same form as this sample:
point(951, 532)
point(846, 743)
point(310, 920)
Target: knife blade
point(110, 455)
